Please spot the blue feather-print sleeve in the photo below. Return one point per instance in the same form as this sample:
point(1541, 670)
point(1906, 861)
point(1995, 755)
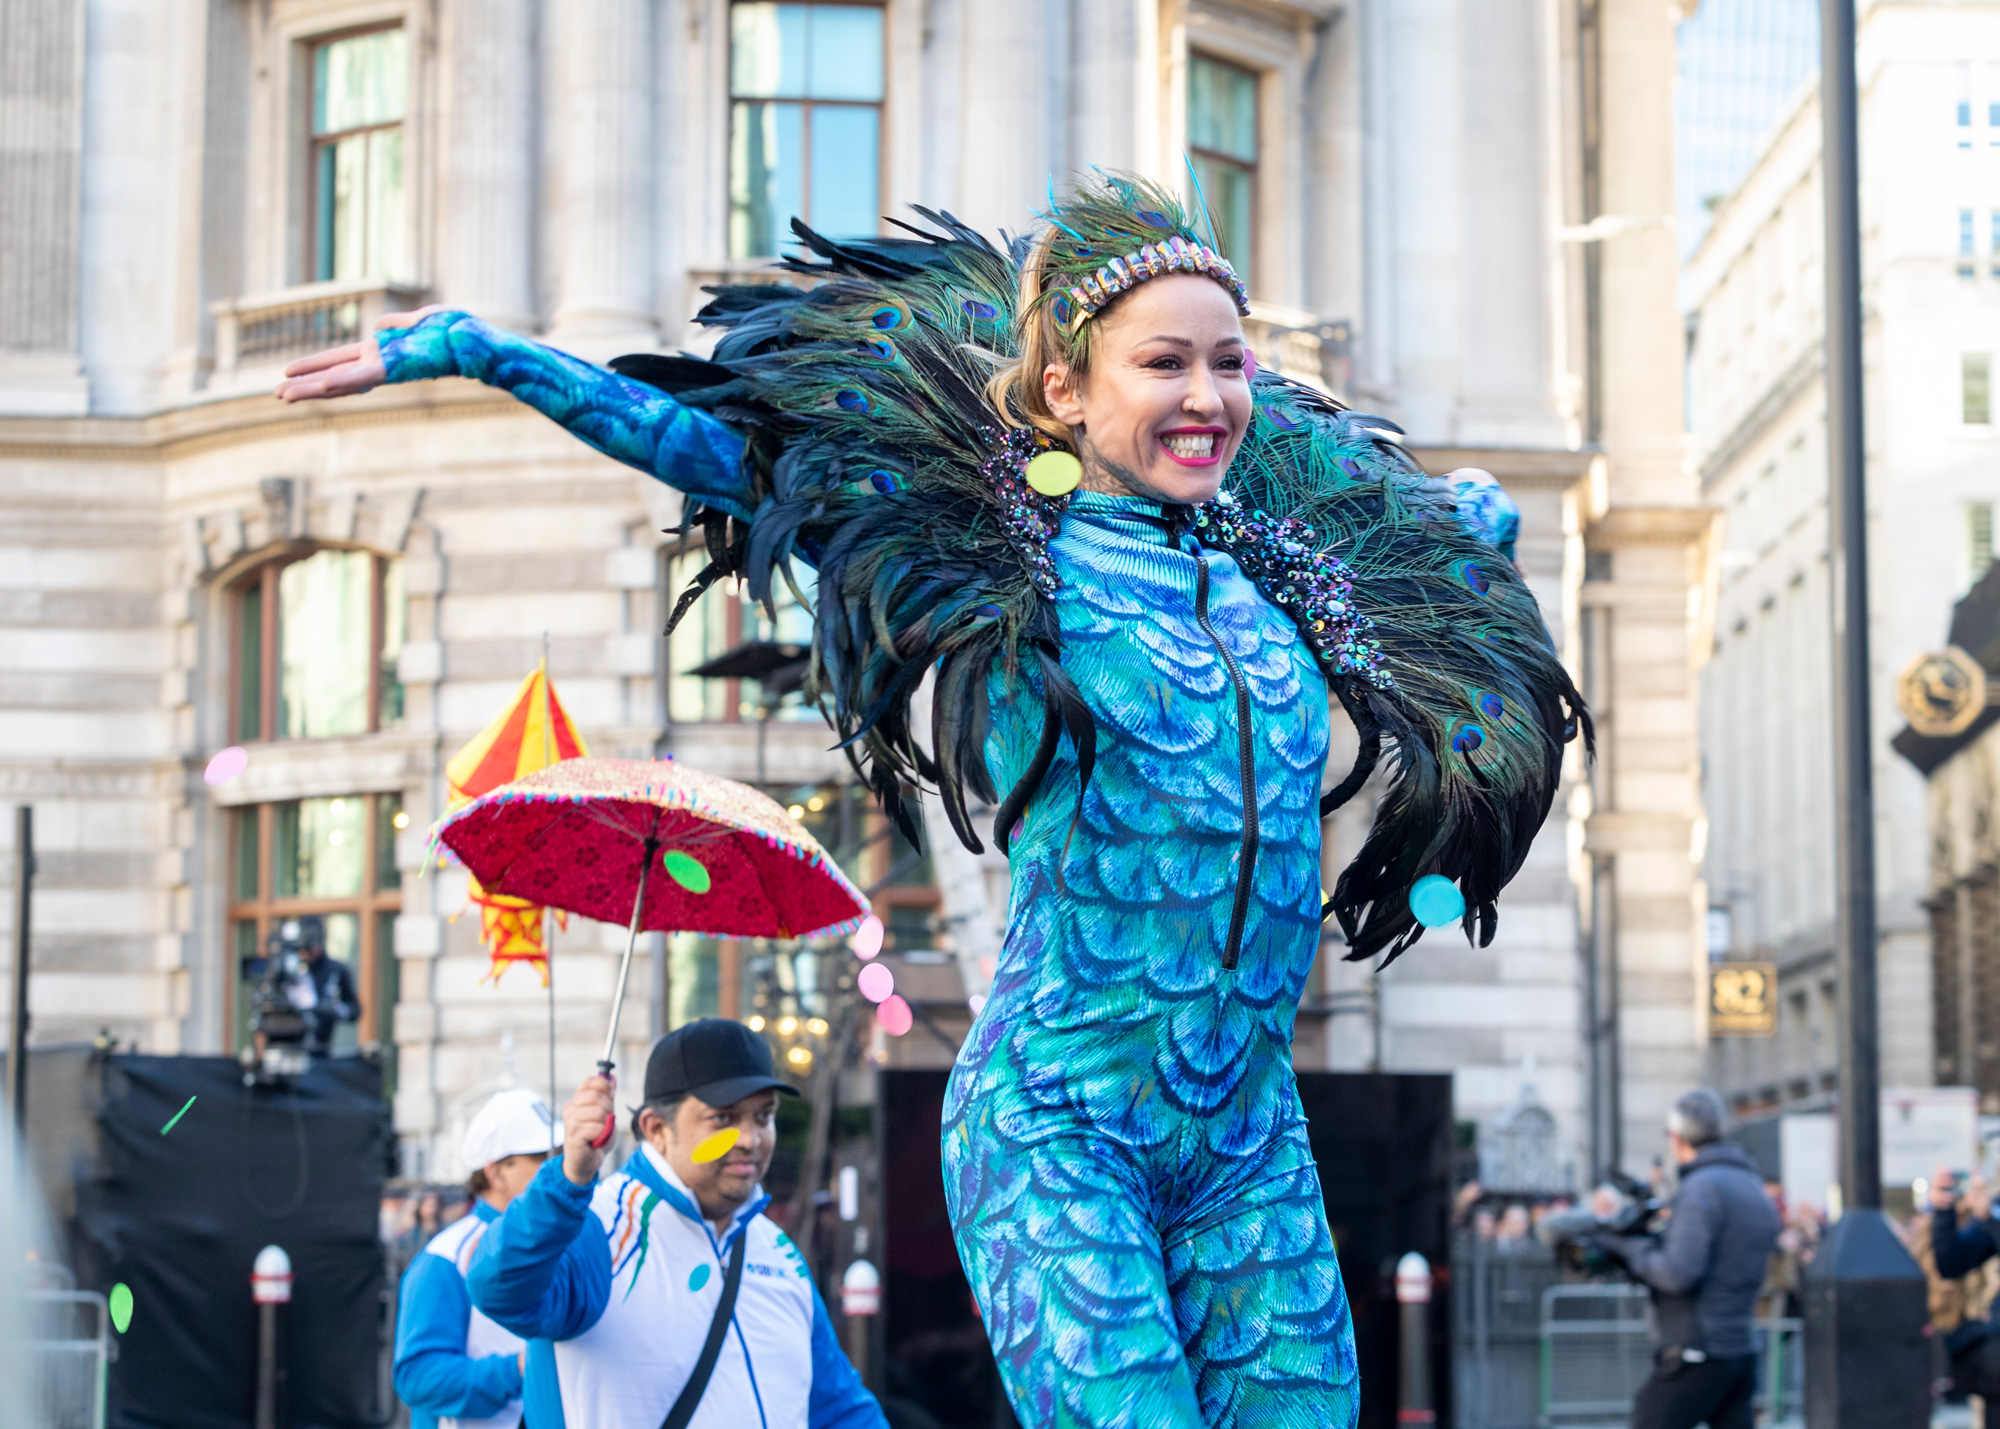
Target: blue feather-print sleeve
point(629, 421)
point(1486, 508)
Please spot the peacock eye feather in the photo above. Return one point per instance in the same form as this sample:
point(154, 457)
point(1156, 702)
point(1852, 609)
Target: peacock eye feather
point(1475, 578)
point(1491, 705)
point(886, 318)
point(1153, 218)
point(978, 311)
point(848, 400)
point(1468, 738)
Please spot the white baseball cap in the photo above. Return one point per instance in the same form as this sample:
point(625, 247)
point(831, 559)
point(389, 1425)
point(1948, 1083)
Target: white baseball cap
point(515, 1122)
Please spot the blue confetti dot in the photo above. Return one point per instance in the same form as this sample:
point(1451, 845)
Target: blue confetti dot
point(698, 1278)
point(850, 401)
point(1468, 738)
point(1491, 705)
point(883, 481)
point(983, 312)
point(1436, 901)
point(887, 317)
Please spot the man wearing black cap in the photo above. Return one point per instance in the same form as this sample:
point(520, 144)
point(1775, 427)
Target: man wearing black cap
point(677, 1303)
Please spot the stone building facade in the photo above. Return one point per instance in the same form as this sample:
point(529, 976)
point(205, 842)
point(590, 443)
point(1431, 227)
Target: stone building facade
point(1930, 131)
point(1452, 212)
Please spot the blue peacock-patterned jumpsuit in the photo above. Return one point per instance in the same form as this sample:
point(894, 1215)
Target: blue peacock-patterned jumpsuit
point(1125, 1154)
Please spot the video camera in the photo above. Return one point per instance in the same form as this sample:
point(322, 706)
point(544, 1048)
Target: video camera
point(279, 993)
point(1573, 1234)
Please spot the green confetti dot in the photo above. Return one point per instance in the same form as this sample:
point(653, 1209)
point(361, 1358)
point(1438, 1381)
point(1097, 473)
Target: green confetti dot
point(121, 1306)
point(686, 870)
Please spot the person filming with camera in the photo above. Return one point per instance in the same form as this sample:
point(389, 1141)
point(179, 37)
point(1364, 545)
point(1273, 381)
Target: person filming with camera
point(1963, 1237)
point(1705, 1270)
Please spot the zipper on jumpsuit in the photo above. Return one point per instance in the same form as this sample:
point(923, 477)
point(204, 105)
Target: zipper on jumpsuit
point(1246, 758)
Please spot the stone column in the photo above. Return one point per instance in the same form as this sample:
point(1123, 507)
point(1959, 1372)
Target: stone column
point(486, 217)
point(41, 188)
point(1648, 542)
point(1012, 66)
point(604, 120)
point(1506, 395)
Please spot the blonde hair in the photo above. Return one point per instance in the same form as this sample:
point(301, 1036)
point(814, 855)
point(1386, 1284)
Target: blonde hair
point(1016, 390)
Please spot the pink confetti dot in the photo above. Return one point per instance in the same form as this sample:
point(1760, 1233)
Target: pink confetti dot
point(868, 938)
point(876, 982)
point(977, 1002)
point(227, 764)
point(894, 1017)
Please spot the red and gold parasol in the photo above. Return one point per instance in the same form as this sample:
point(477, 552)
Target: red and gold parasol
point(574, 836)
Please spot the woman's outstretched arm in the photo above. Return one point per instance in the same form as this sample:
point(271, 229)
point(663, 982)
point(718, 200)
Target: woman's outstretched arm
point(630, 421)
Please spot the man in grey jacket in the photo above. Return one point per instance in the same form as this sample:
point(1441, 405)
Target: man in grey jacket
point(1704, 1273)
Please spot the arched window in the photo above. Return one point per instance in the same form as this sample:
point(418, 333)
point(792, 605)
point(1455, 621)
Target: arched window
point(317, 637)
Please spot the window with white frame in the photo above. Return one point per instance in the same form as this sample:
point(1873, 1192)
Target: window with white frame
point(360, 86)
point(1975, 388)
point(317, 638)
point(1222, 146)
point(805, 122)
point(1978, 540)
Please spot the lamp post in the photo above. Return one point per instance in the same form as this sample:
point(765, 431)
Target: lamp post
point(1868, 1362)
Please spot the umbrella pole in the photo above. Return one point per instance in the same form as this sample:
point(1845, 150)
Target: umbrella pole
point(605, 1063)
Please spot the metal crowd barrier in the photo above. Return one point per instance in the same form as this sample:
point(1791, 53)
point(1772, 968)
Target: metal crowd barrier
point(1597, 1349)
point(69, 1358)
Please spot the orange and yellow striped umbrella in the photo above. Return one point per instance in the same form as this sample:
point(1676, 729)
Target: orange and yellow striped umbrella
point(531, 733)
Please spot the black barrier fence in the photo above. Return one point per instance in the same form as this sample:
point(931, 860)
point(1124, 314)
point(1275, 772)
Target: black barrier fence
point(179, 1216)
point(1382, 1144)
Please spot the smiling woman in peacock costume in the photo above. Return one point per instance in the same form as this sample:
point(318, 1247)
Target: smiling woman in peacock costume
point(1139, 572)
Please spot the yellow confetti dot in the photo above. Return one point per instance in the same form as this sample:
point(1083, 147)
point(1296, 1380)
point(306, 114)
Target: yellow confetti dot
point(1054, 473)
point(714, 1148)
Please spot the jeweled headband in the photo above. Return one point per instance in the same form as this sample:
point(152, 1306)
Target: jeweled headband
point(1170, 255)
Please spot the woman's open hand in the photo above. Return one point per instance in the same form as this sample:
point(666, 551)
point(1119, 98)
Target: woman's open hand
point(347, 370)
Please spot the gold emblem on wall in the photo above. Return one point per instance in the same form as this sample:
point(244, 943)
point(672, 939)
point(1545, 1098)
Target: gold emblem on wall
point(1943, 693)
point(1742, 1000)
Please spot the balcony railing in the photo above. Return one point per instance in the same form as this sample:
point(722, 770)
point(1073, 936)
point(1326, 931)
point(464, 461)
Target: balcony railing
point(265, 332)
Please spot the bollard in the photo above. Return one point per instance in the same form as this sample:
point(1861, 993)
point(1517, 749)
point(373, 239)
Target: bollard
point(1413, 1294)
point(860, 1290)
point(860, 1303)
point(270, 1289)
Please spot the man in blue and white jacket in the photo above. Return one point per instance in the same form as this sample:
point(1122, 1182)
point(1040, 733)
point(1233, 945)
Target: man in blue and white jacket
point(615, 1283)
point(455, 1368)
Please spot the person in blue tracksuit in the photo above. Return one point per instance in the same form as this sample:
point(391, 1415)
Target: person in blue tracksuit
point(616, 1283)
point(455, 1368)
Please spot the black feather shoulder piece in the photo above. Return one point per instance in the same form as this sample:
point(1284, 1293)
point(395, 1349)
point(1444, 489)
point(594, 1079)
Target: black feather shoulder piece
point(875, 454)
point(1447, 659)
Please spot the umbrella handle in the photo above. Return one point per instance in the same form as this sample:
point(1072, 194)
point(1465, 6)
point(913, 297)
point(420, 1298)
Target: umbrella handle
point(610, 1117)
point(604, 1063)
